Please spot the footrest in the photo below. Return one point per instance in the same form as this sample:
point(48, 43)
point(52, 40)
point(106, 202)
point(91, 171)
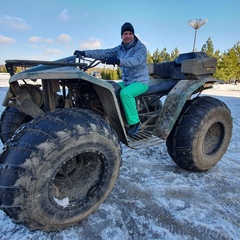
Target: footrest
point(143, 139)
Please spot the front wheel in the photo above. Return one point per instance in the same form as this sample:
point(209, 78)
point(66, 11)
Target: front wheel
point(201, 135)
point(58, 169)
point(11, 120)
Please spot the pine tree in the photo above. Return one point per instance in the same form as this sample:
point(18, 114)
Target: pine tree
point(149, 57)
point(174, 54)
point(208, 47)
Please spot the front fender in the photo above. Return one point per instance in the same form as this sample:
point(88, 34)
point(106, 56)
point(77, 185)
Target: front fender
point(174, 103)
point(53, 74)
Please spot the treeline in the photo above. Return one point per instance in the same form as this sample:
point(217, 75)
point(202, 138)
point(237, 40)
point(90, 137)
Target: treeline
point(111, 74)
point(228, 62)
point(4, 70)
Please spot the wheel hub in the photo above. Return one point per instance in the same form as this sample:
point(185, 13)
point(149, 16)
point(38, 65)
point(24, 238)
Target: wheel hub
point(213, 138)
point(78, 180)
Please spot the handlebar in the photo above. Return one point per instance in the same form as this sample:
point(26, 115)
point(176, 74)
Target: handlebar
point(93, 63)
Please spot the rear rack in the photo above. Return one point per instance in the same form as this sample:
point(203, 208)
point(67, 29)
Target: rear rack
point(144, 139)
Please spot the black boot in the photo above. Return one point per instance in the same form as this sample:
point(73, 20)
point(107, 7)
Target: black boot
point(133, 129)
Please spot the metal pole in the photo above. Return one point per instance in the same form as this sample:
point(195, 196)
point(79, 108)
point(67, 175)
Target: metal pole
point(195, 35)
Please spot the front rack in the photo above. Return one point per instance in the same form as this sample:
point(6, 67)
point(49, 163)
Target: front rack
point(11, 65)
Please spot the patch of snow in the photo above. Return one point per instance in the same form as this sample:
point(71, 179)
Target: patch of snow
point(155, 199)
point(62, 202)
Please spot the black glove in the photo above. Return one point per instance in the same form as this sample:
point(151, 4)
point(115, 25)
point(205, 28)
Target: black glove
point(79, 54)
point(113, 61)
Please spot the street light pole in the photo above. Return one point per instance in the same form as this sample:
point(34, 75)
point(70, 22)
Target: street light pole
point(196, 24)
point(194, 42)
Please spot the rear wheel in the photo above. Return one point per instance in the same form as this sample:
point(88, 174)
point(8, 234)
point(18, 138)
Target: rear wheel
point(201, 134)
point(58, 169)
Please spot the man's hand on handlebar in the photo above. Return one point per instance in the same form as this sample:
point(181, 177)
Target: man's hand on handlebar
point(112, 61)
point(79, 54)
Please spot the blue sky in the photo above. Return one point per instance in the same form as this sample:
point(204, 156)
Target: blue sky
point(53, 29)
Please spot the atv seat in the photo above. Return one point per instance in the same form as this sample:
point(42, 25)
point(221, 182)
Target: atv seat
point(160, 86)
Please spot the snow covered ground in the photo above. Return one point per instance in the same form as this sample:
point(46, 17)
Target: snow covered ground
point(155, 199)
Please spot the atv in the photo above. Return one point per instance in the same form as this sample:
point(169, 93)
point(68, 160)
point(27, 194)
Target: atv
point(63, 130)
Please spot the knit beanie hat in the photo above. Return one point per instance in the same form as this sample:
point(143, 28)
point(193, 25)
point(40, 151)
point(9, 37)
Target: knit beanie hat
point(127, 27)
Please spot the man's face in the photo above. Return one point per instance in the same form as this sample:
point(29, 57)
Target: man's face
point(127, 37)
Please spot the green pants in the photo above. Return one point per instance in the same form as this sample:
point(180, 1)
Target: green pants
point(127, 96)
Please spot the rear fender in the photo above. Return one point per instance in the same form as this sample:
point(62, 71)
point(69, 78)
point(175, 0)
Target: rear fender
point(174, 103)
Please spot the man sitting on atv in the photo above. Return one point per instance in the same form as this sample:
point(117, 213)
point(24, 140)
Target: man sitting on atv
point(131, 57)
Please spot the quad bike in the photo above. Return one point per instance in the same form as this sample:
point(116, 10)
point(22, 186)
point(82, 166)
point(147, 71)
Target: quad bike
point(62, 131)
